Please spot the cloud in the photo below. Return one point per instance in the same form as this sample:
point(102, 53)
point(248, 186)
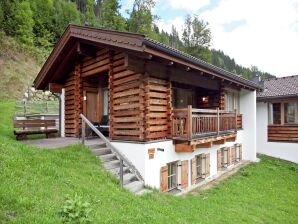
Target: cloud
point(233, 25)
point(268, 39)
point(166, 25)
point(191, 5)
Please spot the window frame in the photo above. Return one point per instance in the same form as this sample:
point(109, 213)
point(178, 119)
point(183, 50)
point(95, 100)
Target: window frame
point(170, 181)
point(234, 96)
point(282, 112)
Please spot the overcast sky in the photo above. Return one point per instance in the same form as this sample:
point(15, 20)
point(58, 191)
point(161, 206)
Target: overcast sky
point(254, 32)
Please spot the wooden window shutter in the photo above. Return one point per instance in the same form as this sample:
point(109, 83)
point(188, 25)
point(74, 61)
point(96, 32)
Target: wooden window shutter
point(164, 179)
point(207, 164)
point(193, 171)
point(184, 174)
point(219, 159)
point(233, 154)
point(203, 175)
point(240, 152)
point(228, 156)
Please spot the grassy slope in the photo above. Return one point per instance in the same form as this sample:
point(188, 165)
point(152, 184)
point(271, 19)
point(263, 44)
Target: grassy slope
point(17, 68)
point(34, 184)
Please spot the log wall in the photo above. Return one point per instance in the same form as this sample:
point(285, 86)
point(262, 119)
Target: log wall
point(283, 133)
point(73, 99)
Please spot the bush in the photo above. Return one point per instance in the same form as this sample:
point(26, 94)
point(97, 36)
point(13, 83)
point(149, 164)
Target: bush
point(75, 210)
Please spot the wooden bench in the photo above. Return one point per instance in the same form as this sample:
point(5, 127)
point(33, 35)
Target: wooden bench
point(31, 127)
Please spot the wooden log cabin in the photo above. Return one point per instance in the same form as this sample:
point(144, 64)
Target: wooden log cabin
point(178, 119)
point(277, 116)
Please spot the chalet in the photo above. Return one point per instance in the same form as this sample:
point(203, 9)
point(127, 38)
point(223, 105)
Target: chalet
point(277, 118)
point(177, 119)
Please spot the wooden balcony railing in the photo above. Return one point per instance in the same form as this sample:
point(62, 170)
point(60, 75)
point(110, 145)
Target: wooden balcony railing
point(190, 123)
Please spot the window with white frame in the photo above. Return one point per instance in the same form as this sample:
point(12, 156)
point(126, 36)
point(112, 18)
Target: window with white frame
point(232, 101)
point(172, 175)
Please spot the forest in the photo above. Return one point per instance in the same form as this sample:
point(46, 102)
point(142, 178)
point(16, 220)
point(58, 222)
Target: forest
point(37, 25)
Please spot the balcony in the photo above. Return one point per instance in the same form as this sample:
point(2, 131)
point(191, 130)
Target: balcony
point(203, 127)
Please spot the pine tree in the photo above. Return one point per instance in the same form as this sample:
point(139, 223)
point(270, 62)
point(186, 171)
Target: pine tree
point(110, 16)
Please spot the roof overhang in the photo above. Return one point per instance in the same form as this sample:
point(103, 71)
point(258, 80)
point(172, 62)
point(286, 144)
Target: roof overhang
point(70, 47)
point(276, 98)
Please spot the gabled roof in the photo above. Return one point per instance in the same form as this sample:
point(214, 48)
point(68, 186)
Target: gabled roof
point(65, 49)
point(284, 87)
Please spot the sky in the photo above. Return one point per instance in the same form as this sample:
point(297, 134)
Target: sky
point(263, 33)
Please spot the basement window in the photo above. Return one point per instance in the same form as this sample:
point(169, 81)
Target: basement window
point(172, 175)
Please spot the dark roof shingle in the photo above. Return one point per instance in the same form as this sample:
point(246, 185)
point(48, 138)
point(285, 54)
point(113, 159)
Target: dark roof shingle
point(280, 87)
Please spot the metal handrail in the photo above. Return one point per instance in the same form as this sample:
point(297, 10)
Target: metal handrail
point(120, 155)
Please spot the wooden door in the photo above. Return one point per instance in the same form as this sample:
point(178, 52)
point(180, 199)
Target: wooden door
point(92, 110)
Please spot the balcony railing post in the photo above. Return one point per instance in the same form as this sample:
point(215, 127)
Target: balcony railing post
point(189, 122)
point(83, 131)
point(217, 112)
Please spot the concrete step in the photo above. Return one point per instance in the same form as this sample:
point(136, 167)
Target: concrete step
point(108, 157)
point(112, 164)
point(128, 177)
point(96, 145)
point(101, 151)
point(143, 191)
point(116, 171)
point(134, 186)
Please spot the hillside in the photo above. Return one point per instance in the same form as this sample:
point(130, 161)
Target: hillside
point(18, 68)
point(36, 183)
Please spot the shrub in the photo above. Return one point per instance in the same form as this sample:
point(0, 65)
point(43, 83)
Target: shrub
point(75, 210)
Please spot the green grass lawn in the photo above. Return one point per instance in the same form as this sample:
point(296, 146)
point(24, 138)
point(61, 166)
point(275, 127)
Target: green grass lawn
point(34, 184)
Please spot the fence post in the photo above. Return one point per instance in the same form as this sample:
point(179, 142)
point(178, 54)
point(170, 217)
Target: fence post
point(217, 111)
point(47, 107)
point(189, 122)
point(121, 172)
point(25, 109)
point(83, 131)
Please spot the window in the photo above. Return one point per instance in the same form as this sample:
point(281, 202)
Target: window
point(181, 98)
point(290, 113)
point(198, 166)
point(232, 101)
point(238, 152)
point(225, 157)
point(172, 175)
point(282, 113)
point(105, 101)
point(276, 108)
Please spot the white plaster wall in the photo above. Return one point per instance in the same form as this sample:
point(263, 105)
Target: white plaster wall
point(248, 136)
point(150, 169)
point(287, 151)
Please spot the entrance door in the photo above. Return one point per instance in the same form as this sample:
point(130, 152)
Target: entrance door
point(92, 106)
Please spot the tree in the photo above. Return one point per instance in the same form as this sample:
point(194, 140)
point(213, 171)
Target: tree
point(17, 20)
point(110, 16)
point(174, 40)
point(141, 19)
point(63, 14)
point(89, 15)
point(196, 38)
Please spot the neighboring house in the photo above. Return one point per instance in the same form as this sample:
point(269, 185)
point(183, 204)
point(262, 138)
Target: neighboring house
point(178, 119)
point(277, 118)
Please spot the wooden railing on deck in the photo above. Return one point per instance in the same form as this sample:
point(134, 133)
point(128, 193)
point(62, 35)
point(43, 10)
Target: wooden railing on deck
point(190, 123)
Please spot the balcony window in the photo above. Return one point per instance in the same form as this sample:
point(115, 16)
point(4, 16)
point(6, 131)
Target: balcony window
point(232, 101)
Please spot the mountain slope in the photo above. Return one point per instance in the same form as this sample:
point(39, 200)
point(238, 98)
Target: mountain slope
point(17, 68)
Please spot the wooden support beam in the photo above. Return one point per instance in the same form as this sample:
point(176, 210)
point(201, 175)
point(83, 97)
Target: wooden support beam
point(55, 87)
point(184, 148)
point(231, 139)
point(205, 145)
point(219, 142)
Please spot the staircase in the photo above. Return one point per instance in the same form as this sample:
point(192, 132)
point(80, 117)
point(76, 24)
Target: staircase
point(114, 161)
